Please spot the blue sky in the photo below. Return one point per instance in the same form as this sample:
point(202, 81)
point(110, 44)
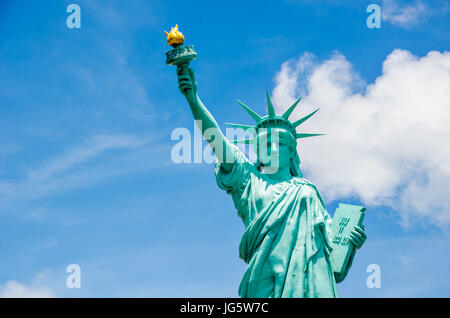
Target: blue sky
point(86, 175)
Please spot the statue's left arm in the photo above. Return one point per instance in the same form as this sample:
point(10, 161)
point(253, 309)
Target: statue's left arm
point(357, 239)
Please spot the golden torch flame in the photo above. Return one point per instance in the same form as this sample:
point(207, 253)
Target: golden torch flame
point(174, 37)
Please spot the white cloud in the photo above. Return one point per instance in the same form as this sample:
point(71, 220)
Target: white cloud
point(403, 16)
point(14, 289)
point(388, 142)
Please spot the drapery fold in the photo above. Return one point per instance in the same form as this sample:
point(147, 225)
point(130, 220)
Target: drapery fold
point(287, 229)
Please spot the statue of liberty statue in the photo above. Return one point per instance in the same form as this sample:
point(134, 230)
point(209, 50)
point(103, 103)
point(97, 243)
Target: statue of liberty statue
point(287, 242)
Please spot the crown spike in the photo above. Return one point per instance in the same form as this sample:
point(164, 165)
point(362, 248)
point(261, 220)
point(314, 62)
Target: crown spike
point(302, 120)
point(244, 127)
point(270, 106)
point(291, 109)
point(303, 135)
point(251, 112)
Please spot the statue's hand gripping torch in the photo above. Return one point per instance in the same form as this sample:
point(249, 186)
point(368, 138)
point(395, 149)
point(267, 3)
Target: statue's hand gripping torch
point(181, 55)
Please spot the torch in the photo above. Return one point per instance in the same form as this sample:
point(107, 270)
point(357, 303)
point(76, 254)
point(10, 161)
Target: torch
point(181, 54)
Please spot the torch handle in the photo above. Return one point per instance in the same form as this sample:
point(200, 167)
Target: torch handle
point(189, 92)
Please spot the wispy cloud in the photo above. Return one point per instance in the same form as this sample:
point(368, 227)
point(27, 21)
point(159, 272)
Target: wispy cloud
point(14, 289)
point(36, 289)
point(411, 265)
point(83, 165)
point(405, 16)
point(100, 95)
point(92, 148)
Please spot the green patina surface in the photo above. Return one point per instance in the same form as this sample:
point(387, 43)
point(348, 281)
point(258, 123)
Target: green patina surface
point(289, 237)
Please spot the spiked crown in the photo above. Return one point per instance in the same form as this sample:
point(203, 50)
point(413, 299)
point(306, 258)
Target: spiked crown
point(273, 121)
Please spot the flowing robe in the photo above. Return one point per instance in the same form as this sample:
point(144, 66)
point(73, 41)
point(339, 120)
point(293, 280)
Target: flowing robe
point(286, 242)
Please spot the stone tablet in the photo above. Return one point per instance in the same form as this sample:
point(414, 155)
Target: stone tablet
point(345, 218)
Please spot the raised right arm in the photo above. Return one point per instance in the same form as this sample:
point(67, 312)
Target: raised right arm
point(209, 127)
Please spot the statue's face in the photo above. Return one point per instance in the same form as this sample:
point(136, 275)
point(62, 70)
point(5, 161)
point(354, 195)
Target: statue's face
point(274, 153)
